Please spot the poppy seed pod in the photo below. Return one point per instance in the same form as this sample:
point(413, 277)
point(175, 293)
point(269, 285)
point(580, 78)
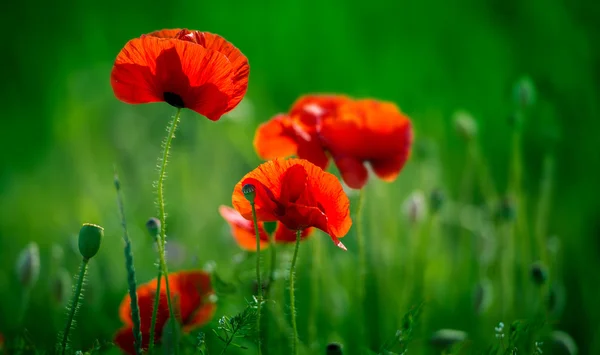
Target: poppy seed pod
point(465, 125)
point(153, 227)
point(334, 349)
point(90, 238)
point(249, 192)
point(444, 338)
point(28, 265)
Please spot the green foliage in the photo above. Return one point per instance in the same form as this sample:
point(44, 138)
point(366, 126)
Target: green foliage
point(240, 326)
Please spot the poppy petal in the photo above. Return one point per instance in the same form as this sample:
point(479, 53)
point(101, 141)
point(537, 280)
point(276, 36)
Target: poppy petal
point(124, 339)
point(168, 33)
point(353, 171)
point(293, 184)
point(193, 291)
point(313, 151)
point(273, 139)
point(243, 229)
point(286, 235)
point(388, 169)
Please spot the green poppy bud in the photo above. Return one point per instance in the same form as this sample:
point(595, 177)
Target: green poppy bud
point(539, 273)
point(465, 125)
point(90, 238)
point(249, 192)
point(153, 226)
point(270, 227)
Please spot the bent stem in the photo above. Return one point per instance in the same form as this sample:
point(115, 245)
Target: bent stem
point(258, 281)
point(162, 216)
point(154, 311)
point(129, 265)
point(292, 298)
point(74, 303)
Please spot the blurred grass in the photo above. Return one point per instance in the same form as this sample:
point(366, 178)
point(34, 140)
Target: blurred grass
point(64, 131)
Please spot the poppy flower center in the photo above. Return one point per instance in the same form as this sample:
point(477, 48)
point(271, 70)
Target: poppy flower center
point(173, 99)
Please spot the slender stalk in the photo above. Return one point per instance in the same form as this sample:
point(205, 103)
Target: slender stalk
point(292, 296)
point(316, 270)
point(154, 312)
point(362, 261)
point(163, 216)
point(131, 282)
point(543, 207)
point(258, 280)
point(273, 255)
point(74, 303)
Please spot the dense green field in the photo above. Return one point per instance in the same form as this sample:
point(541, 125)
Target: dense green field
point(522, 194)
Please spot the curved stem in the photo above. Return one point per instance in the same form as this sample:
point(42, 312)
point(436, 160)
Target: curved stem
point(258, 281)
point(292, 296)
point(74, 303)
point(154, 312)
point(163, 216)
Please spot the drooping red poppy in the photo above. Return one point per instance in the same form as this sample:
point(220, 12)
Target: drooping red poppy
point(299, 195)
point(190, 294)
point(352, 132)
point(192, 69)
point(244, 234)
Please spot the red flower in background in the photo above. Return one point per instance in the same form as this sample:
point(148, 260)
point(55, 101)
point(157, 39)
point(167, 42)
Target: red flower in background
point(190, 291)
point(192, 69)
point(244, 234)
point(352, 132)
point(299, 195)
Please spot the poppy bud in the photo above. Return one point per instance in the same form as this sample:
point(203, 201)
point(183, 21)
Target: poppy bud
point(465, 125)
point(249, 192)
point(436, 200)
point(444, 338)
point(506, 211)
point(564, 343)
point(414, 207)
point(334, 349)
point(556, 299)
point(153, 227)
point(61, 286)
point(524, 92)
point(28, 265)
point(483, 296)
point(539, 273)
point(90, 238)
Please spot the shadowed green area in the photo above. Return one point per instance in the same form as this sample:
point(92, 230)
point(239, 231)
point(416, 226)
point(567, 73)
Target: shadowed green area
point(64, 132)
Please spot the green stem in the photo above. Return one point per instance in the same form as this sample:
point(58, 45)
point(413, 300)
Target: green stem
point(315, 290)
point(129, 265)
point(362, 261)
point(543, 206)
point(273, 254)
point(292, 296)
point(258, 280)
point(74, 303)
point(154, 312)
point(163, 216)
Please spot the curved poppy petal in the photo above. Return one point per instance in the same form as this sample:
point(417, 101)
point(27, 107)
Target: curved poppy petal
point(243, 229)
point(353, 172)
point(273, 138)
point(388, 169)
point(124, 339)
point(193, 292)
point(167, 33)
point(313, 151)
point(311, 108)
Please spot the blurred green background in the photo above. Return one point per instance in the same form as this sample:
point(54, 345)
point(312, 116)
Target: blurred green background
point(63, 131)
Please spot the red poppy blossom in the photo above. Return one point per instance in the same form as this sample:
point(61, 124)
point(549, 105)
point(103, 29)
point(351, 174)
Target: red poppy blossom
point(352, 132)
point(299, 195)
point(192, 69)
point(190, 293)
point(244, 234)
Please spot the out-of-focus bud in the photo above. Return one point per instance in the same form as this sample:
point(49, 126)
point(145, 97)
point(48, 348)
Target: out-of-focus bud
point(414, 207)
point(483, 295)
point(539, 273)
point(334, 349)
point(563, 343)
point(153, 227)
point(90, 238)
point(57, 253)
point(524, 92)
point(28, 265)
point(61, 287)
point(444, 338)
point(436, 200)
point(465, 125)
point(556, 299)
point(507, 210)
point(270, 227)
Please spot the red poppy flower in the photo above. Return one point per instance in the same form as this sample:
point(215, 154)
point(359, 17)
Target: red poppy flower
point(353, 132)
point(244, 234)
point(1, 341)
point(192, 69)
point(190, 292)
point(298, 194)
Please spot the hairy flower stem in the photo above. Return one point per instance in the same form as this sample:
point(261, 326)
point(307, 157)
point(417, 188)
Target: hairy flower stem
point(129, 265)
point(154, 312)
point(74, 304)
point(292, 296)
point(362, 259)
point(163, 216)
point(258, 280)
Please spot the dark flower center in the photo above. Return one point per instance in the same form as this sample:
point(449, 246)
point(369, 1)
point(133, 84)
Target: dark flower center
point(173, 99)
